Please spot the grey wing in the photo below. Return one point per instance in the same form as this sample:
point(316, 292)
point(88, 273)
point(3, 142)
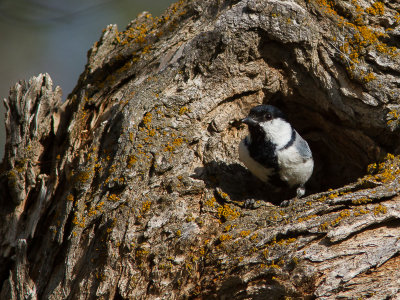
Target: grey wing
point(302, 147)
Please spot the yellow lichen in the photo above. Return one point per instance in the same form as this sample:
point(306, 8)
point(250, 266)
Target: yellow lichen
point(225, 237)
point(226, 212)
point(244, 233)
point(370, 76)
point(393, 116)
point(147, 120)
point(132, 159)
point(359, 36)
point(359, 212)
point(79, 221)
point(380, 209)
point(182, 110)
point(113, 197)
point(303, 219)
point(171, 146)
point(227, 228)
point(83, 176)
point(333, 195)
point(254, 236)
point(384, 172)
point(324, 226)
point(141, 254)
point(210, 202)
point(343, 214)
point(146, 206)
point(361, 200)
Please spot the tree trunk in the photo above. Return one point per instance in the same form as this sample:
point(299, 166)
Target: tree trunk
point(132, 188)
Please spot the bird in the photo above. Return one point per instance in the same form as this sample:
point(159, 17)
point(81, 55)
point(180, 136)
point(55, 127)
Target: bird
point(274, 151)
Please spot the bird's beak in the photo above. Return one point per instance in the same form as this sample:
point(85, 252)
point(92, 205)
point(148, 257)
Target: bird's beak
point(248, 121)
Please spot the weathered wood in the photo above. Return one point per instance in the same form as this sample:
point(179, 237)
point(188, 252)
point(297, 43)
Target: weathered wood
point(132, 188)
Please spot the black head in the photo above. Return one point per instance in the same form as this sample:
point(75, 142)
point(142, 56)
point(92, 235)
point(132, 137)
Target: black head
point(263, 113)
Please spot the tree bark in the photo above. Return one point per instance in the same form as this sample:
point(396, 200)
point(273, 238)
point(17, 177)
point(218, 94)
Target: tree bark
point(132, 188)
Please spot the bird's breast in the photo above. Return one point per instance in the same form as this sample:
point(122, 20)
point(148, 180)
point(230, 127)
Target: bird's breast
point(258, 170)
point(293, 167)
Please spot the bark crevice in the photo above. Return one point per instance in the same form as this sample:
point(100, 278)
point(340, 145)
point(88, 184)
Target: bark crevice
point(135, 180)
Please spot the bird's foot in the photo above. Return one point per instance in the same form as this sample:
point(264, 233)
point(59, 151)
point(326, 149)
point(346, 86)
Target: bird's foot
point(249, 203)
point(286, 203)
point(300, 191)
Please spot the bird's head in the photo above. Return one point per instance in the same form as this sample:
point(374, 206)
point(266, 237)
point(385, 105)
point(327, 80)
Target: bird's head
point(262, 114)
point(268, 122)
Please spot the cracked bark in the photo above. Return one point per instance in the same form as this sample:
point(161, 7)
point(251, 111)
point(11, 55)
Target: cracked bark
point(132, 188)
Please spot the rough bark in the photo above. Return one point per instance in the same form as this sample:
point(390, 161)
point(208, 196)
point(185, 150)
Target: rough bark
point(132, 188)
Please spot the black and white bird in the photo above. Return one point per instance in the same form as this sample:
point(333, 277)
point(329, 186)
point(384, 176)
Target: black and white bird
point(274, 151)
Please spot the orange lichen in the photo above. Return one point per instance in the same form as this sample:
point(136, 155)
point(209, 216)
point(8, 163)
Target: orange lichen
point(378, 8)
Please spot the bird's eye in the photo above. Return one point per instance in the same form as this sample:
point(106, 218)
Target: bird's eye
point(267, 116)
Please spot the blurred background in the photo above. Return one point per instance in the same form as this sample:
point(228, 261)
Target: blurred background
point(39, 36)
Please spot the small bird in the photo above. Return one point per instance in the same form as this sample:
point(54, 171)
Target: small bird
point(274, 151)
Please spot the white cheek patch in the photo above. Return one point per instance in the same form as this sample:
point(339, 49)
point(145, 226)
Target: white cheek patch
point(278, 131)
